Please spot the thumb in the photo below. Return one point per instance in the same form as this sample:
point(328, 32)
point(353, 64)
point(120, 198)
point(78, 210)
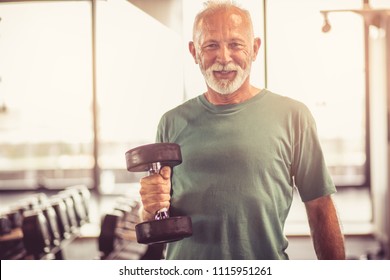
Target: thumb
point(165, 172)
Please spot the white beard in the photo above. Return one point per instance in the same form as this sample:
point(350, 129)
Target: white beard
point(225, 86)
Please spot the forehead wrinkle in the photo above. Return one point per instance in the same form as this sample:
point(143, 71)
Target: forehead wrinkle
point(211, 8)
point(231, 19)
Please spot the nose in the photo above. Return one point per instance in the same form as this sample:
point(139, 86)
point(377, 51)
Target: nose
point(224, 55)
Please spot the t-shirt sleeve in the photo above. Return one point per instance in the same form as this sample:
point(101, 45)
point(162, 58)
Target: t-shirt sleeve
point(310, 172)
point(160, 134)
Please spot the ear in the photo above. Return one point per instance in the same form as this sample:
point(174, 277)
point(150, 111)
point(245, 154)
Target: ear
point(192, 48)
point(256, 47)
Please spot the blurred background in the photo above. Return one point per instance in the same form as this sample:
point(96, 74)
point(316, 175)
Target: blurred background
point(82, 82)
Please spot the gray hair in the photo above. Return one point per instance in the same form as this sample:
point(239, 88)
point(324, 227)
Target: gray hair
point(211, 6)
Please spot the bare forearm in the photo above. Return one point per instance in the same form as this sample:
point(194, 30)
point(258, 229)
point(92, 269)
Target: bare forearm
point(329, 242)
point(328, 239)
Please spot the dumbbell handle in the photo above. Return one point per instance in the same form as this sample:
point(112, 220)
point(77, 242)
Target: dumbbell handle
point(162, 213)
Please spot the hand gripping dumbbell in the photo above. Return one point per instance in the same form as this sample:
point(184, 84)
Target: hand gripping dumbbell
point(152, 158)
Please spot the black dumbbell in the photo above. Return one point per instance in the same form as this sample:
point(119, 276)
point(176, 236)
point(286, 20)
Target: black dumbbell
point(36, 236)
point(126, 217)
point(85, 196)
point(15, 217)
point(5, 225)
point(52, 224)
point(40, 201)
point(70, 210)
point(79, 210)
point(11, 225)
point(61, 211)
point(11, 243)
point(15, 212)
point(151, 158)
point(107, 237)
point(130, 209)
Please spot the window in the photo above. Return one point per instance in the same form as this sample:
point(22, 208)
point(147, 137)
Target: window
point(326, 72)
point(45, 94)
point(46, 120)
point(139, 77)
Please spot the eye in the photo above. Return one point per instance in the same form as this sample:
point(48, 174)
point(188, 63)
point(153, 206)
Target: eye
point(236, 45)
point(211, 46)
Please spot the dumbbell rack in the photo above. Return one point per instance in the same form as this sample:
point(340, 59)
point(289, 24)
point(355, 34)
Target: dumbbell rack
point(40, 227)
point(118, 240)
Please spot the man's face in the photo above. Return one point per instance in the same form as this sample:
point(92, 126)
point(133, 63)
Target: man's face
point(224, 50)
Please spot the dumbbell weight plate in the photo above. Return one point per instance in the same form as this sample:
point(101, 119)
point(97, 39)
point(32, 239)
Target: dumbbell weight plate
point(16, 218)
point(5, 225)
point(107, 235)
point(36, 235)
point(140, 159)
point(164, 231)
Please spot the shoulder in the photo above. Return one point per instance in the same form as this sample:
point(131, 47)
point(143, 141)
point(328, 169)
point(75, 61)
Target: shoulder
point(288, 106)
point(284, 101)
point(184, 110)
point(177, 119)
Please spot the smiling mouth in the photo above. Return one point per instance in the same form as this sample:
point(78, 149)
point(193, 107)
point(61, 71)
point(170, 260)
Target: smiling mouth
point(225, 74)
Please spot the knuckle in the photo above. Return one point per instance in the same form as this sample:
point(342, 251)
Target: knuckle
point(160, 189)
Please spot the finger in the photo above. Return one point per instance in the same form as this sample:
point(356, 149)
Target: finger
point(165, 172)
point(155, 179)
point(147, 189)
point(155, 198)
point(156, 206)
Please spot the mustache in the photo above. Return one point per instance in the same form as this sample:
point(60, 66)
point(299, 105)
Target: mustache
point(224, 67)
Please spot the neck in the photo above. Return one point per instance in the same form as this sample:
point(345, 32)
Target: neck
point(236, 97)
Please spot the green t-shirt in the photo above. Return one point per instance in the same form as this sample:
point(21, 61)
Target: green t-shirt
point(240, 165)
